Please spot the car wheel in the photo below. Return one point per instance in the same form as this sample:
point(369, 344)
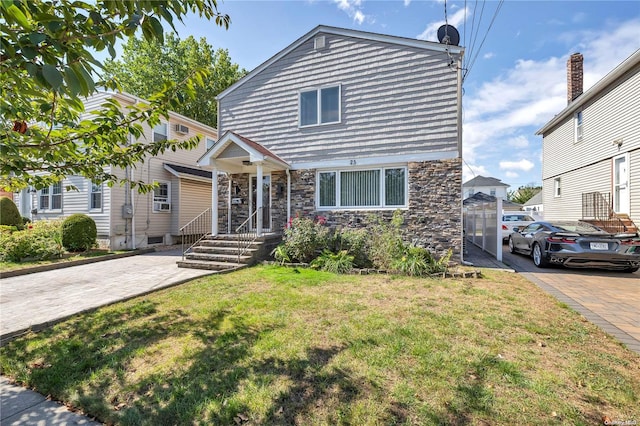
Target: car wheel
point(538, 258)
point(632, 270)
point(512, 248)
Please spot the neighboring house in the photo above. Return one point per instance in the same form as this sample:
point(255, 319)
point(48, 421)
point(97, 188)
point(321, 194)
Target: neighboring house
point(481, 197)
point(124, 217)
point(487, 185)
point(342, 124)
point(591, 149)
point(534, 204)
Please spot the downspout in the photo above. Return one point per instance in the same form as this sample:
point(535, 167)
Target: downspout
point(288, 195)
point(133, 222)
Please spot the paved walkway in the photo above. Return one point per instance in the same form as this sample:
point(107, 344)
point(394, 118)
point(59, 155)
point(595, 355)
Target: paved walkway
point(38, 300)
point(611, 300)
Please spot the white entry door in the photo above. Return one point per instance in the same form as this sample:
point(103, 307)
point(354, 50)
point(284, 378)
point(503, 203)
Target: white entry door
point(621, 201)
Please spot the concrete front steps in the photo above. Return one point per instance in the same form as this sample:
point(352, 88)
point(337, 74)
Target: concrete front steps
point(220, 253)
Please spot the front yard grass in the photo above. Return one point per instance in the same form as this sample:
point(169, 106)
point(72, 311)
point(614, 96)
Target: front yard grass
point(275, 345)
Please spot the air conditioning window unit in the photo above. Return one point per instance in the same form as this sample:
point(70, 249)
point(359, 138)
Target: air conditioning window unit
point(181, 128)
point(162, 207)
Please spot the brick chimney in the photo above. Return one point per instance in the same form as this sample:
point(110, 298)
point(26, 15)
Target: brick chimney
point(574, 77)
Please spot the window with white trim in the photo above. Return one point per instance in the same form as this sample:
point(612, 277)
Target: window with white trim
point(50, 198)
point(210, 143)
point(320, 106)
point(577, 118)
point(556, 187)
point(95, 196)
point(160, 132)
point(384, 187)
point(162, 197)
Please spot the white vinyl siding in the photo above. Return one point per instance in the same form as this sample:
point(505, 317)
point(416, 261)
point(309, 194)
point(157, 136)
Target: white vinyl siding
point(355, 189)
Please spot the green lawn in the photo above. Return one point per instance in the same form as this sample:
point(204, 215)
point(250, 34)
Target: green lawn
point(274, 345)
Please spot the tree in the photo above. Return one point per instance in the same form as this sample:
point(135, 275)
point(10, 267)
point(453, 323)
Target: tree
point(48, 65)
point(146, 65)
point(524, 193)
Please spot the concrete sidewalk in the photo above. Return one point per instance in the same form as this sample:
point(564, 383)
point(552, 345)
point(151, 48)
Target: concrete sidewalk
point(38, 300)
point(20, 406)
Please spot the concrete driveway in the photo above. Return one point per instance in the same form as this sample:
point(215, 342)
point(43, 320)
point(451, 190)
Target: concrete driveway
point(40, 299)
point(610, 300)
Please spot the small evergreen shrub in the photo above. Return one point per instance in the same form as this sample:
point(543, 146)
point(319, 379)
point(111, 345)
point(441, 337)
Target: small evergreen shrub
point(338, 263)
point(43, 240)
point(79, 233)
point(9, 214)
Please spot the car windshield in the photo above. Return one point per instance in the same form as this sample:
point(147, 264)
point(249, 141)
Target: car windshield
point(517, 218)
point(579, 227)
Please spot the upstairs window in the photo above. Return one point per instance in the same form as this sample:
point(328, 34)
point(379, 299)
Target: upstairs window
point(556, 187)
point(320, 106)
point(577, 118)
point(160, 132)
point(210, 143)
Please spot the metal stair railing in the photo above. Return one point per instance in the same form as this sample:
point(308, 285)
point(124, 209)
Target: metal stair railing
point(597, 205)
point(194, 231)
point(245, 235)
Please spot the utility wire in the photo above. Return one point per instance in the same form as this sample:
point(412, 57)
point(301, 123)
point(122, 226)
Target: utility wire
point(473, 61)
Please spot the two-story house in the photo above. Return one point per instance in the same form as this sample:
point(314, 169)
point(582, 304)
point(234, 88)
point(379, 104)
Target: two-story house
point(591, 149)
point(124, 217)
point(487, 185)
point(344, 124)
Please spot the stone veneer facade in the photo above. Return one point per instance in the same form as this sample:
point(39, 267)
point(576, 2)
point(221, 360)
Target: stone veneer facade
point(433, 219)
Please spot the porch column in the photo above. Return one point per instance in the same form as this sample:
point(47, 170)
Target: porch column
point(214, 201)
point(259, 199)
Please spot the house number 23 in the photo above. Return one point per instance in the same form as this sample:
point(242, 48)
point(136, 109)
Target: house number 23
point(352, 162)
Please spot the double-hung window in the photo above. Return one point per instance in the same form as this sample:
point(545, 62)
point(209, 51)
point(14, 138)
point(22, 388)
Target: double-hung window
point(162, 197)
point(320, 106)
point(371, 188)
point(95, 197)
point(51, 197)
point(577, 118)
point(160, 132)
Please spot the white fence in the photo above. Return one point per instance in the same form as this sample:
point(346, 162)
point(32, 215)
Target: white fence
point(482, 226)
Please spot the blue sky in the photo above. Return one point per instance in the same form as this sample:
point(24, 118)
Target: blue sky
point(516, 83)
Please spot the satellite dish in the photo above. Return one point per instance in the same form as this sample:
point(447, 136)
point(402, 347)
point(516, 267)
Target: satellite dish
point(447, 34)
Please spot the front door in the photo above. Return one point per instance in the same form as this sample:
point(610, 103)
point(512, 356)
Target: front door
point(621, 184)
point(266, 201)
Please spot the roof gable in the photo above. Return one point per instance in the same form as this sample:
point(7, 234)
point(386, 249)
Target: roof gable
point(421, 44)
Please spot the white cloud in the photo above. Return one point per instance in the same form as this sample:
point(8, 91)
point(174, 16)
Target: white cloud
point(511, 175)
point(353, 8)
point(522, 99)
point(471, 171)
point(488, 55)
point(407, 2)
point(431, 32)
point(524, 165)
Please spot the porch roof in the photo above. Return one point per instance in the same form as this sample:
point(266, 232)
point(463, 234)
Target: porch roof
point(235, 153)
point(184, 172)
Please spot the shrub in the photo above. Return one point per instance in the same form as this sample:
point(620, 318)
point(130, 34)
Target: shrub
point(338, 263)
point(354, 241)
point(43, 240)
point(385, 243)
point(9, 214)
point(79, 233)
point(415, 262)
point(15, 246)
point(304, 239)
point(281, 254)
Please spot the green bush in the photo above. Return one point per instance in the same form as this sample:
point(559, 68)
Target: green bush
point(9, 214)
point(43, 240)
point(281, 254)
point(354, 241)
point(385, 243)
point(338, 263)
point(415, 262)
point(79, 233)
point(304, 239)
